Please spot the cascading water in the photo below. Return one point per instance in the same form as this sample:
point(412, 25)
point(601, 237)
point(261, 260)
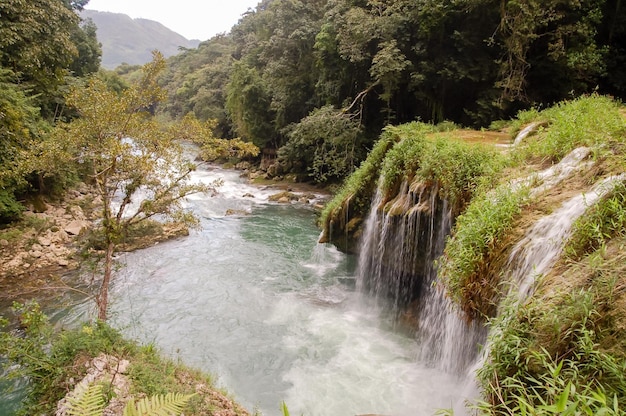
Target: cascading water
point(400, 245)
point(543, 243)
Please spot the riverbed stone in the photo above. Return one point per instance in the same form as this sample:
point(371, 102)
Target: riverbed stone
point(77, 212)
point(45, 240)
point(75, 227)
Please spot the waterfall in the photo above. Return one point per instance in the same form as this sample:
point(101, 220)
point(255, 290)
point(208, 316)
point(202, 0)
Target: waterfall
point(543, 243)
point(401, 241)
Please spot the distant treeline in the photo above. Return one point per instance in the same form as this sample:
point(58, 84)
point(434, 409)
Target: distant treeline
point(368, 63)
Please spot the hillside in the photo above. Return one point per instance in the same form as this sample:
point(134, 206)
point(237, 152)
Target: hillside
point(131, 41)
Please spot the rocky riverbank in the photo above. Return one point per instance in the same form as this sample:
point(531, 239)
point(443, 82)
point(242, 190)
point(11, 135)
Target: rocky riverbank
point(44, 244)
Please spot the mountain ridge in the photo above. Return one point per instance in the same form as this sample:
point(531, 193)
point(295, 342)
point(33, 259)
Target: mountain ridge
point(131, 41)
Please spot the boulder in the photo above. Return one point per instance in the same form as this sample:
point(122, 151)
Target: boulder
point(75, 227)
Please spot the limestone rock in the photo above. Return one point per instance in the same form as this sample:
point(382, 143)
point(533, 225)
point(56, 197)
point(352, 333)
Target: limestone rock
point(77, 212)
point(75, 227)
point(45, 240)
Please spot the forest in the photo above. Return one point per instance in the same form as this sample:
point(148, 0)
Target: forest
point(312, 83)
point(336, 92)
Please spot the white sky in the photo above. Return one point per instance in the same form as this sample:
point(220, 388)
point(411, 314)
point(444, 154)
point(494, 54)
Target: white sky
point(194, 19)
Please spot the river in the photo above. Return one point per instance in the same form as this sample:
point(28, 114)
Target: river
point(255, 300)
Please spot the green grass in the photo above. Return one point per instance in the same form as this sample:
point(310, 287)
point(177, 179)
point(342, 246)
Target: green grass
point(593, 121)
point(605, 220)
point(546, 358)
point(478, 232)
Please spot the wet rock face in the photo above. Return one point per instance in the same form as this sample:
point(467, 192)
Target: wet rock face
point(401, 241)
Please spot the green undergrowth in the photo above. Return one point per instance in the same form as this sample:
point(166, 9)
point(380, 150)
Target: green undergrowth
point(593, 121)
point(465, 266)
point(553, 356)
point(53, 360)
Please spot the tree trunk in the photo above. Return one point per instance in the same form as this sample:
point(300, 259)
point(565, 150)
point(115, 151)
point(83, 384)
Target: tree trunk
point(103, 296)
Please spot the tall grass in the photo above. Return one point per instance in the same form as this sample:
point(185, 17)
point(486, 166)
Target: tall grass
point(605, 220)
point(545, 358)
point(593, 121)
point(478, 232)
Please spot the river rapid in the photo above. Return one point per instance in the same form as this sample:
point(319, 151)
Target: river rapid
point(254, 299)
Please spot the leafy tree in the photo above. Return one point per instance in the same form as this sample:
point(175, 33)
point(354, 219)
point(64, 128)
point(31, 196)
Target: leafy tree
point(248, 103)
point(138, 170)
point(19, 125)
point(36, 44)
point(196, 82)
point(89, 50)
point(212, 148)
point(324, 144)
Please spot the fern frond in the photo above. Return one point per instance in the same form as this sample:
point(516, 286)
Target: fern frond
point(87, 402)
point(159, 405)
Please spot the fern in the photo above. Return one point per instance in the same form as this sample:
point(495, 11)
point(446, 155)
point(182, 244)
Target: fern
point(159, 405)
point(87, 402)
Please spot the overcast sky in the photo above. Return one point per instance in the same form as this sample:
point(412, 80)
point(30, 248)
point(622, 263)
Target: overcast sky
point(194, 19)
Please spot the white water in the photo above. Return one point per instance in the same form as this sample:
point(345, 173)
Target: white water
point(255, 300)
point(410, 232)
point(543, 243)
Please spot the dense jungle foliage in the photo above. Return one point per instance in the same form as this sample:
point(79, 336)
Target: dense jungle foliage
point(313, 83)
point(44, 48)
point(368, 63)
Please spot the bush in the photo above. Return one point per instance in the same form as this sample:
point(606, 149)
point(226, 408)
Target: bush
point(545, 359)
point(325, 144)
point(10, 209)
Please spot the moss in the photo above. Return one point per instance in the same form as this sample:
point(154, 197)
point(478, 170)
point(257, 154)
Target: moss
point(405, 153)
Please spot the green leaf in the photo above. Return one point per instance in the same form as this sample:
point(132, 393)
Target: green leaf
point(158, 405)
point(87, 402)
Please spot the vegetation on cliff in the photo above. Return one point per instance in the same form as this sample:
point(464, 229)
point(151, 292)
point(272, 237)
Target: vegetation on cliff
point(562, 350)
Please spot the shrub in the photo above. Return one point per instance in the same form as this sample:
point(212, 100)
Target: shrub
point(475, 237)
point(544, 358)
point(10, 209)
